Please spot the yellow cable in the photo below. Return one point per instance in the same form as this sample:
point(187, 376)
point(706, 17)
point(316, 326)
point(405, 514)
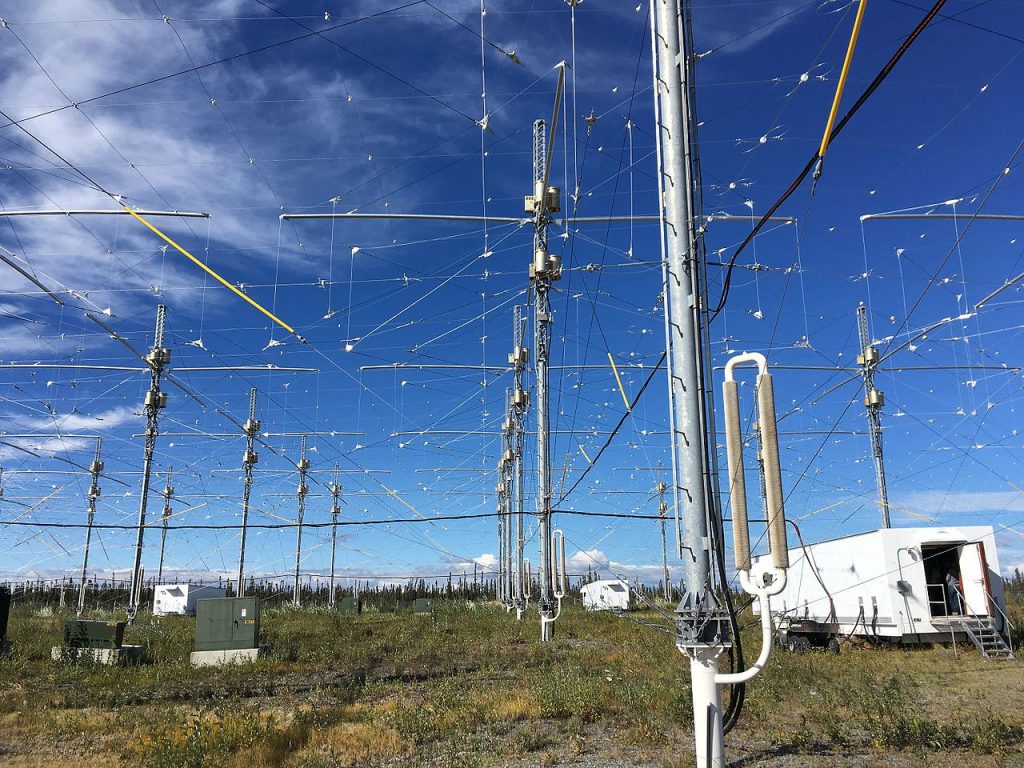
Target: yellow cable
point(584, 453)
point(210, 272)
point(616, 372)
point(842, 78)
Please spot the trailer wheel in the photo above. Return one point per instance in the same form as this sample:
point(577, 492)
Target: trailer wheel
point(833, 645)
point(798, 645)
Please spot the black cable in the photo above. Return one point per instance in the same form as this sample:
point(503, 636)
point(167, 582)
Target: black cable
point(340, 523)
point(632, 405)
point(878, 80)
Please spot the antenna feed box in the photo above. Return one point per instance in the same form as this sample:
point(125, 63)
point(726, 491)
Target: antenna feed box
point(156, 399)
point(159, 356)
point(869, 357)
point(552, 201)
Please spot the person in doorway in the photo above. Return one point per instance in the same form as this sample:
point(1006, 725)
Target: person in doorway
point(953, 594)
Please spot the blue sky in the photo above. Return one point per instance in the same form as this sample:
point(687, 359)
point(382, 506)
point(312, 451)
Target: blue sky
point(381, 116)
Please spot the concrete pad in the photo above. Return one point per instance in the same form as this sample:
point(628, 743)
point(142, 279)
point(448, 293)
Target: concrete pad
point(233, 656)
point(126, 655)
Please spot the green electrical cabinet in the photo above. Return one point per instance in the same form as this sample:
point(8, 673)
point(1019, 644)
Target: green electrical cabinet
point(227, 623)
point(79, 633)
point(422, 605)
point(351, 605)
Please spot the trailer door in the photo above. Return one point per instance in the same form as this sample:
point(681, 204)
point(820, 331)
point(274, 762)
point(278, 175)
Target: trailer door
point(974, 579)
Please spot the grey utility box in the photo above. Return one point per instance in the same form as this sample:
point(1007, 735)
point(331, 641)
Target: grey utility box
point(79, 633)
point(227, 623)
point(422, 605)
point(351, 605)
point(101, 642)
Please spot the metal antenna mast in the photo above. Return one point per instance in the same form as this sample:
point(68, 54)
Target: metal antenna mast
point(520, 402)
point(303, 466)
point(158, 357)
point(249, 460)
point(874, 401)
point(335, 489)
point(501, 491)
point(168, 494)
point(701, 627)
point(94, 493)
point(506, 468)
point(663, 512)
point(544, 270)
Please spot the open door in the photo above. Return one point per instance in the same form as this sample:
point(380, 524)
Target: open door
point(974, 580)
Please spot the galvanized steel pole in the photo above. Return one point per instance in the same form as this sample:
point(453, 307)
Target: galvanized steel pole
point(701, 632)
point(302, 491)
point(168, 494)
point(94, 493)
point(158, 357)
point(249, 460)
point(874, 400)
point(335, 511)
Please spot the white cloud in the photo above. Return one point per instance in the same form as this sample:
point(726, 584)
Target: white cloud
point(934, 502)
point(51, 427)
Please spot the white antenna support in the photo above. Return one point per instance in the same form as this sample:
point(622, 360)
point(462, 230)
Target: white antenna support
point(762, 579)
point(559, 577)
point(559, 581)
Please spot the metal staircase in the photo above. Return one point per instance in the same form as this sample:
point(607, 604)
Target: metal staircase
point(984, 636)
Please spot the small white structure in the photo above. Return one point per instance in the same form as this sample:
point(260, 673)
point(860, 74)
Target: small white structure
point(894, 584)
point(180, 599)
point(606, 595)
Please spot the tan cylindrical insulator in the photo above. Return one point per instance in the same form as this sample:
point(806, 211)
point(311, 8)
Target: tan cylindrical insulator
point(737, 480)
point(541, 263)
point(772, 472)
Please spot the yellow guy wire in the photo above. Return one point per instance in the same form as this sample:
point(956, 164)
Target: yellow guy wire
point(210, 272)
point(616, 372)
point(584, 453)
point(839, 88)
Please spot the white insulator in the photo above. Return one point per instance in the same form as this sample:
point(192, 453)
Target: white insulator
point(540, 262)
point(555, 266)
point(772, 472)
point(554, 200)
point(737, 479)
point(559, 579)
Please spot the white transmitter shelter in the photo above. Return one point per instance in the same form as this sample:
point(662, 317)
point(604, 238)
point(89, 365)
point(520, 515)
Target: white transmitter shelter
point(606, 595)
point(181, 599)
point(896, 585)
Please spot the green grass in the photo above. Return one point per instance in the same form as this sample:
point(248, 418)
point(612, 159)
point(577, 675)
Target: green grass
point(470, 686)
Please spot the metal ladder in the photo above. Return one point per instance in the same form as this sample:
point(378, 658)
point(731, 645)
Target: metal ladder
point(985, 638)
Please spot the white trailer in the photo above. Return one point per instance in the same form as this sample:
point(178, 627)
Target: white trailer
point(180, 599)
point(896, 585)
point(606, 595)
